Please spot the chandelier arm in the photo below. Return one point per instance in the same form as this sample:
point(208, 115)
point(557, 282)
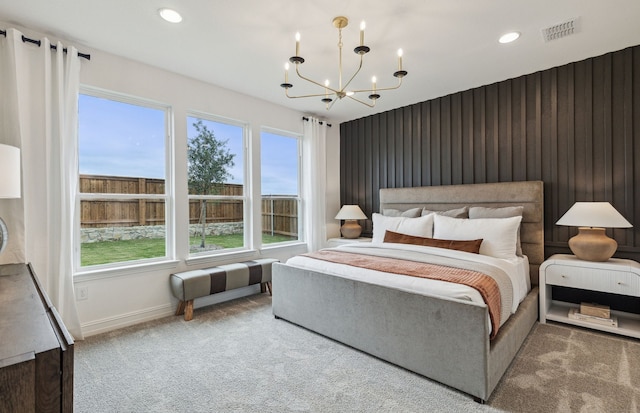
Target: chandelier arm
point(354, 75)
point(286, 92)
point(314, 82)
point(378, 89)
point(363, 102)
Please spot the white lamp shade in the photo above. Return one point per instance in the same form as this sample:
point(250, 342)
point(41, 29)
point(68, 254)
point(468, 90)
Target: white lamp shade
point(9, 171)
point(350, 212)
point(593, 214)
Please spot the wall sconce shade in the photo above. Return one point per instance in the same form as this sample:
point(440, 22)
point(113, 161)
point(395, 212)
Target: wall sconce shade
point(350, 213)
point(591, 218)
point(9, 183)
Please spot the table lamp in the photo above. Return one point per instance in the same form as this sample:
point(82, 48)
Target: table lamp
point(9, 183)
point(350, 214)
point(591, 243)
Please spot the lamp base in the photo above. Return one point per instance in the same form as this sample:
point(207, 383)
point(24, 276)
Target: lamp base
point(592, 244)
point(351, 229)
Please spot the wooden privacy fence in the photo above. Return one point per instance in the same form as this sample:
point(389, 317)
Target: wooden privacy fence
point(279, 213)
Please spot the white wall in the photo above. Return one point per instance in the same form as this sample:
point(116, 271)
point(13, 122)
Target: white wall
point(122, 297)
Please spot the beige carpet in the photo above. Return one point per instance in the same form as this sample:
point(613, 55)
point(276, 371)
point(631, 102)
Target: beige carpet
point(566, 369)
point(235, 357)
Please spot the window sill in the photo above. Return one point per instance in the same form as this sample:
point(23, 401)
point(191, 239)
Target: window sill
point(221, 257)
point(123, 271)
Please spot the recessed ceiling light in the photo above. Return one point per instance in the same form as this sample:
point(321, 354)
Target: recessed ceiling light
point(170, 15)
point(509, 37)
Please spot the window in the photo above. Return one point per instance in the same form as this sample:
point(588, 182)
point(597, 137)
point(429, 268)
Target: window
point(216, 182)
point(280, 183)
point(124, 198)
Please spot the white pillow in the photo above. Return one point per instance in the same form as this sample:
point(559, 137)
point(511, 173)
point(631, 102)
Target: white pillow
point(499, 235)
point(419, 227)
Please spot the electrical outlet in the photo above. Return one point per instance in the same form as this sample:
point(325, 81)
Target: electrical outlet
point(82, 293)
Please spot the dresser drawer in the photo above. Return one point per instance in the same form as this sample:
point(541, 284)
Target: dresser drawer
point(609, 281)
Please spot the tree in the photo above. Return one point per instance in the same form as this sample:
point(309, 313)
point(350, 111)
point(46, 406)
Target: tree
point(209, 160)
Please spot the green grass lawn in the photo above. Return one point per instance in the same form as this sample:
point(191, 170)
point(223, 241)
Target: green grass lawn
point(117, 251)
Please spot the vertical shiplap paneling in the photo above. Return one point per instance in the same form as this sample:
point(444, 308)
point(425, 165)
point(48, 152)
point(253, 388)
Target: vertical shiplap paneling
point(435, 155)
point(600, 129)
point(405, 131)
point(635, 132)
point(425, 114)
point(457, 166)
point(505, 135)
point(375, 165)
point(479, 135)
point(468, 149)
point(416, 144)
point(576, 127)
point(368, 169)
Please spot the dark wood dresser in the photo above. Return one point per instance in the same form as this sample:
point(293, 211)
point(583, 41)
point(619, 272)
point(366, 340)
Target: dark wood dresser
point(36, 350)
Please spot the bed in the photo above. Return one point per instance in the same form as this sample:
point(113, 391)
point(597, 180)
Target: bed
point(443, 338)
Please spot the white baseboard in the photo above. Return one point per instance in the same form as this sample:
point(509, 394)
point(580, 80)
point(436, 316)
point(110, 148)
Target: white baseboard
point(107, 324)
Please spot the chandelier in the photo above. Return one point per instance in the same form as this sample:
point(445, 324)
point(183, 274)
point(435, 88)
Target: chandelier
point(331, 95)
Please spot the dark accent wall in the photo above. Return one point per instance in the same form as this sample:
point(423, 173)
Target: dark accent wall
point(575, 127)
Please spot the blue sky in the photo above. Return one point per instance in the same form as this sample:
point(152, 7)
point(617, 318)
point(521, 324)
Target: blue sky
point(120, 139)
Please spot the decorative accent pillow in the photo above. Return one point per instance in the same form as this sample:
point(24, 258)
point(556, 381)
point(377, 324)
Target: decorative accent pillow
point(453, 213)
point(420, 227)
point(472, 246)
point(503, 212)
point(499, 234)
point(409, 213)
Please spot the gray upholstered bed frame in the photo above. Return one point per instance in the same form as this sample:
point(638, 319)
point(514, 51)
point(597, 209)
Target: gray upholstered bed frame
point(443, 339)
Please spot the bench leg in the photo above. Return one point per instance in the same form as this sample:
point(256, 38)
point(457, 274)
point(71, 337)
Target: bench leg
point(180, 309)
point(269, 287)
point(188, 311)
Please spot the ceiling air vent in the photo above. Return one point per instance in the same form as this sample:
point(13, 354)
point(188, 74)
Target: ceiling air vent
point(559, 30)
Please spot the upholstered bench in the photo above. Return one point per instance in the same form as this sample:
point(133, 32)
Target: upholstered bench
point(189, 285)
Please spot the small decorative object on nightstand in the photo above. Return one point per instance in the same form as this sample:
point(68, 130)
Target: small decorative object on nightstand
point(350, 214)
point(334, 242)
point(591, 243)
point(616, 276)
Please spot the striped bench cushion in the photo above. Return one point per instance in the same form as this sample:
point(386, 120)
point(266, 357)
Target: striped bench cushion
point(189, 285)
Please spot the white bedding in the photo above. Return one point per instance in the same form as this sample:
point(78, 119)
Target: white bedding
point(516, 268)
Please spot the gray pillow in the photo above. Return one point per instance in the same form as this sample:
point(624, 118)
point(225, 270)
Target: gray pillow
point(503, 212)
point(409, 213)
point(453, 213)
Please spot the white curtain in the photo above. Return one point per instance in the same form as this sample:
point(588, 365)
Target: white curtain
point(39, 89)
point(315, 175)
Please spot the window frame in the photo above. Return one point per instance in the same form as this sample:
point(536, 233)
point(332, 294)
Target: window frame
point(168, 197)
point(299, 198)
point(246, 198)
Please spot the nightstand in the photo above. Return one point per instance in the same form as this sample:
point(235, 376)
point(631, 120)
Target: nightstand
point(615, 276)
point(334, 242)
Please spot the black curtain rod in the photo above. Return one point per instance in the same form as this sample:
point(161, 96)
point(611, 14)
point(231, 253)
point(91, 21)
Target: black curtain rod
point(39, 42)
point(320, 122)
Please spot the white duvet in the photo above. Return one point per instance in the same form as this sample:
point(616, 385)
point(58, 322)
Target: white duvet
point(517, 269)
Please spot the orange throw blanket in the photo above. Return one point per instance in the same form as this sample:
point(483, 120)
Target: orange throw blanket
point(486, 285)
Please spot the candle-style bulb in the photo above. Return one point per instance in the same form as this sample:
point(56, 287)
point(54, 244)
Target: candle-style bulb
point(286, 72)
point(362, 27)
point(298, 44)
point(399, 59)
point(373, 81)
point(326, 83)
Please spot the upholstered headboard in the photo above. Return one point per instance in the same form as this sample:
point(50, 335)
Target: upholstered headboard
point(529, 194)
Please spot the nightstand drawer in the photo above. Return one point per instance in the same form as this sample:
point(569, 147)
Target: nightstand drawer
point(608, 281)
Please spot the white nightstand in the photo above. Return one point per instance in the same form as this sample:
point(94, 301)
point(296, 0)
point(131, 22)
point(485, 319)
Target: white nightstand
point(334, 242)
point(615, 276)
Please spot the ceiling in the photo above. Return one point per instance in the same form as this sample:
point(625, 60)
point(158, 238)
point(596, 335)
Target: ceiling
point(242, 45)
